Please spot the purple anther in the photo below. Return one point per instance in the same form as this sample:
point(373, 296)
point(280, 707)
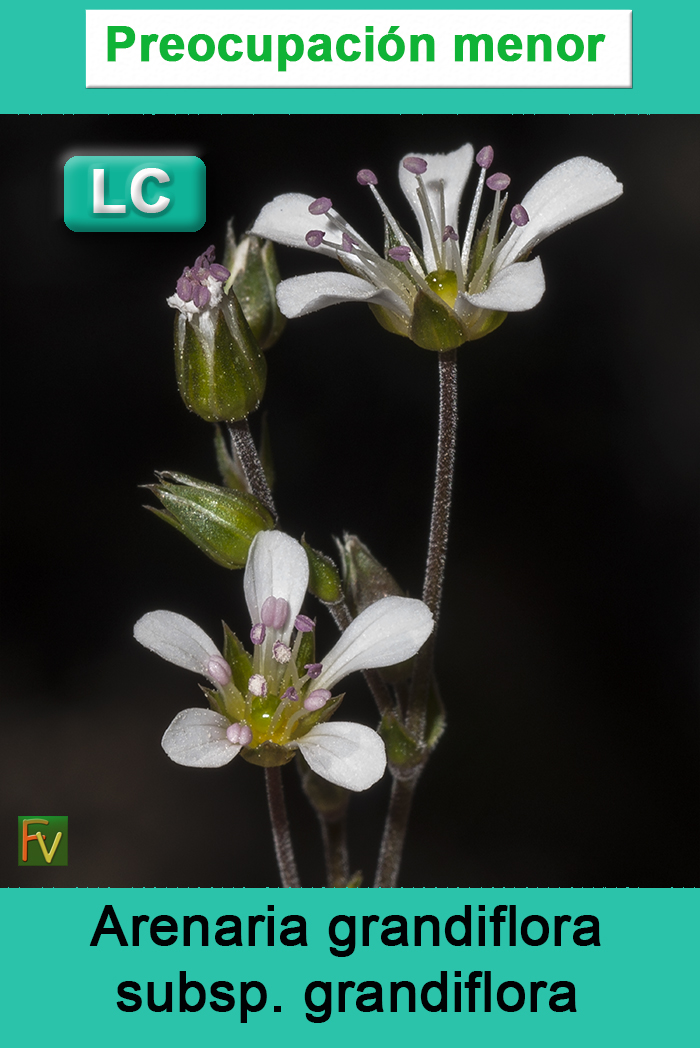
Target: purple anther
point(484, 157)
point(304, 624)
point(239, 734)
point(274, 612)
point(320, 206)
point(257, 633)
point(210, 253)
point(314, 238)
point(219, 670)
point(519, 216)
point(280, 652)
point(184, 289)
point(290, 695)
point(402, 253)
point(499, 181)
point(219, 272)
point(316, 700)
point(348, 244)
point(314, 669)
point(257, 685)
point(366, 177)
point(415, 164)
point(200, 296)
point(450, 233)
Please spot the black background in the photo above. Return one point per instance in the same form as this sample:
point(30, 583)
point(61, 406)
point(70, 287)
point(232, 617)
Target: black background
point(568, 645)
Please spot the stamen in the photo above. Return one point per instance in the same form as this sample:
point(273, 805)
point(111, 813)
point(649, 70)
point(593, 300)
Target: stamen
point(239, 734)
point(519, 215)
point(316, 700)
point(415, 164)
point(274, 612)
point(219, 272)
point(499, 181)
point(484, 157)
point(200, 296)
point(402, 253)
point(184, 289)
point(366, 177)
point(320, 206)
point(257, 685)
point(304, 624)
point(314, 669)
point(348, 244)
point(473, 214)
point(280, 652)
point(219, 670)
point(449, 234)
point(314, 238)
point(290, 695)
point(257, 633)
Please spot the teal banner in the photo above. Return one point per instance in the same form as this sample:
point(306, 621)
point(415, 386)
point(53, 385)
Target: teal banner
point(496, 966)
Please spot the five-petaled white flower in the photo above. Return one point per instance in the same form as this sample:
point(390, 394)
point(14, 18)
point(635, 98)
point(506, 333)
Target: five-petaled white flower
point(443, 295)
point(274, 704)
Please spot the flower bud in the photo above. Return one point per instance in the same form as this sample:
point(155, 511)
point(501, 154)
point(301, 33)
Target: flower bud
point(324, 580)
point(220, 521)
point(254, 279)
point(365, 580)
point(220, 368)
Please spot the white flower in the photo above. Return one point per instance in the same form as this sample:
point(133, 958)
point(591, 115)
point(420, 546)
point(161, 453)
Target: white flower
point(268, 706)
point(444, 294)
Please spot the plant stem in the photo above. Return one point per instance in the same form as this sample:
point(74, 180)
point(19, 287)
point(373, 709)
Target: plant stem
point(335, 850)
point(247, 453)
point(280, 829)
point(394, 838)
point(437, 542)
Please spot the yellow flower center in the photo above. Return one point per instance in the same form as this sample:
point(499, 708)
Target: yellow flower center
point(444, 284)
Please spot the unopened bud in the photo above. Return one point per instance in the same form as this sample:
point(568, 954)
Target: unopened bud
point(220, 368)
point(220, 521)
point(254, 279)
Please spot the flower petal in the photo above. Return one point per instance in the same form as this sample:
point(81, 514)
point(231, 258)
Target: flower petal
point(176, 639)
point(277, 567)
point(197, 739)
point(349, 755)
point(287, 220)
point(385, 633)
point(569, 191)
point(513, 290)
point(301, 295)
point(452, 170)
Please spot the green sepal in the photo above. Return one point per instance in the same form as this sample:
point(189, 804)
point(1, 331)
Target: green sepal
point(434, 325)
point(231, 472)
point(221, 376)
point(317, 716)
point(435, 719)
point(266, 460)
point(324, 580)
point(254, 279)
point(238, 659)
point(307, 652)
point(214, 700)
point(402, 751)
point(220, 521)
point(365, 580)
point(268, 755)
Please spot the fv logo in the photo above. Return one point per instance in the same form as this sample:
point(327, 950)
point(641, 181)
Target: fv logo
point(42, 841)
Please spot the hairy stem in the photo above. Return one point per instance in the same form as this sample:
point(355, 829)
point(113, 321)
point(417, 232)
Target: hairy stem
point(437, 542)
point(335, 850)
point(280, 829)
point(395, 828)
point(247, 453)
